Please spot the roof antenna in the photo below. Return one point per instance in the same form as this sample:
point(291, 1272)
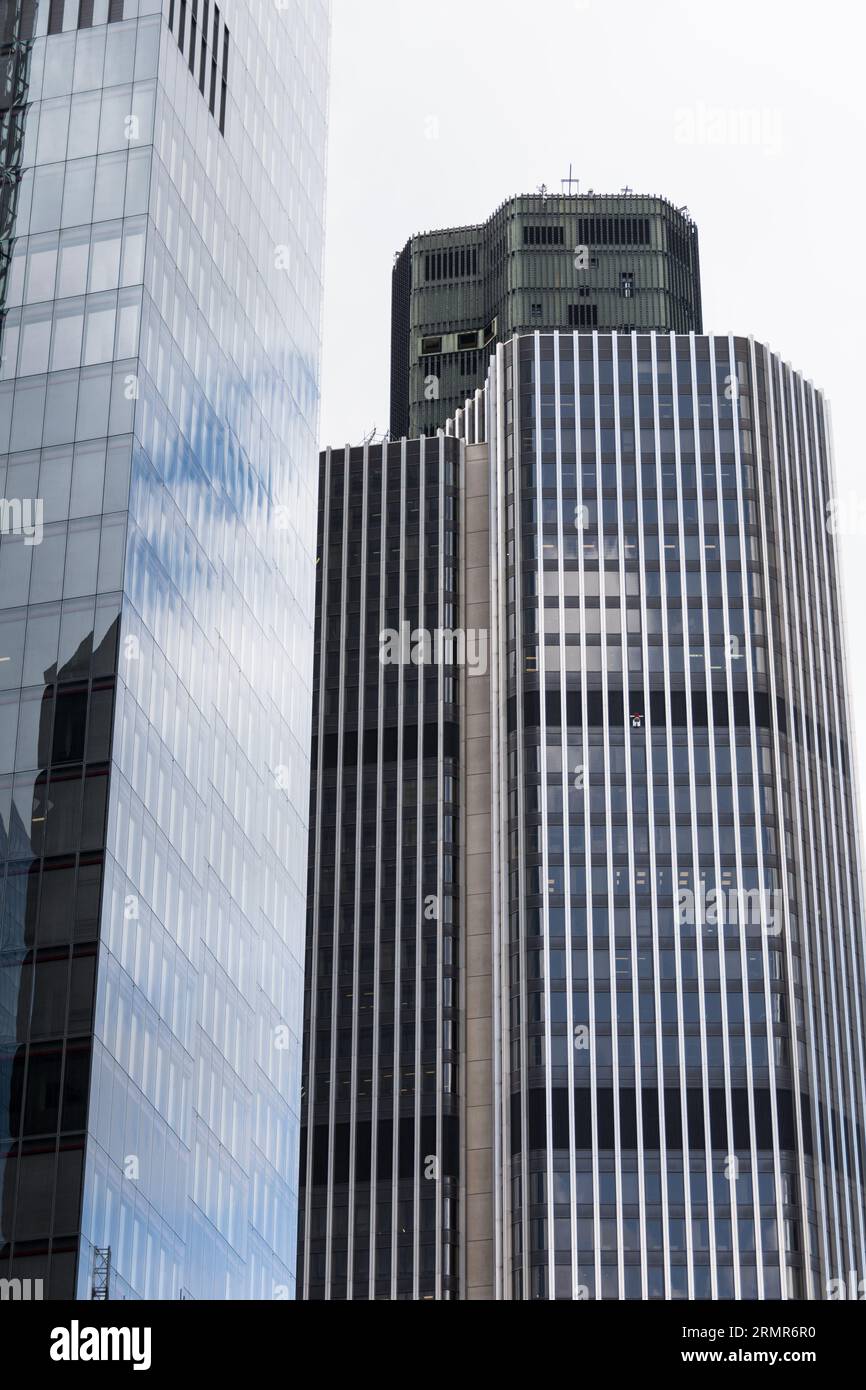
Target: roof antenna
point(567, 183)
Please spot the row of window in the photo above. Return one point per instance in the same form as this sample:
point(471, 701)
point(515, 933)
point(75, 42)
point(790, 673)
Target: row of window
point(81, 13)
point(199, 41)
point(76, 261)
point(454, 264)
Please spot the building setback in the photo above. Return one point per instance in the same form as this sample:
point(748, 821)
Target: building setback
point(159, 300)
point(586, 986)
point(571, 261)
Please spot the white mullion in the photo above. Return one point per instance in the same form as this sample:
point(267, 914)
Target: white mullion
point(377, 911)
point(359, 804)
point(818, 1019)
point(772, 366)
point(659, 1036)
point(779, 819)
point(793, 456)
point(735, 799)
point(842, 961)
point(696, 857)
point(651, 815)
point(681, 1036)
point(307, 1158)
point(615, 1036)
point(717, 858)
point(440, 887)
point(338, 856)
point(566, 826)
point(519, 675)
point(682, 1088)
point(419, 885)
point(850, 832)
point(608, 796)
point(838, 1052)
point(545, 927)
point(698, 934)
point(398, 893)
point(735, 787)
point(745, 579)
point(602, 599)
point(738, 858)
point(647, 747)
point(587, 839)
point(494, 415)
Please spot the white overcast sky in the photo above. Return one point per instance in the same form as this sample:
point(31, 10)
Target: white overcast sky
point(513, 91)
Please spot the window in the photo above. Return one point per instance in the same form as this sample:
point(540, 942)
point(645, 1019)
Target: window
point(544, 236)
point(201, 45)
point(467, 341)
point(613, 231)
point(225, 80)
point(84, 19)
point(193, 35)
point(202, 71)
point(454, 264)
point(627, 283)
point(583, 315)
point(431, 345)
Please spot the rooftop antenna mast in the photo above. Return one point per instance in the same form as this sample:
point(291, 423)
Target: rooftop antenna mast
point(570, 181)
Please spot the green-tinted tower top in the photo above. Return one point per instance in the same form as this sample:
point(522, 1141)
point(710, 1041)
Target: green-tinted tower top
point(622, 261)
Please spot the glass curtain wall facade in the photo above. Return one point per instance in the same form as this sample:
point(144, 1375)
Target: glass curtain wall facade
point(380, 1160)
point(684, 1047)
point(541, 261)
point(161, 268)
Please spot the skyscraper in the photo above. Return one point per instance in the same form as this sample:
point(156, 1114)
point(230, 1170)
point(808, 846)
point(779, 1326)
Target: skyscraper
point(382, 1047)
point(160, 271)
point(541, 261)
point(586, 976)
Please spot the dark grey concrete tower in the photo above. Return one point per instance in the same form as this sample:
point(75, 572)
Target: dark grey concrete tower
point(621, 261)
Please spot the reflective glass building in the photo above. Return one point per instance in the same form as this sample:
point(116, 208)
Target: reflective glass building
point(596, 894)
point(160, 273)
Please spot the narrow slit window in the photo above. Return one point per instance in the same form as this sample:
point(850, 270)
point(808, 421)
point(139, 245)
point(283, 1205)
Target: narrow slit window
point(202, 66)
point(224, 92)
point(193, 35)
